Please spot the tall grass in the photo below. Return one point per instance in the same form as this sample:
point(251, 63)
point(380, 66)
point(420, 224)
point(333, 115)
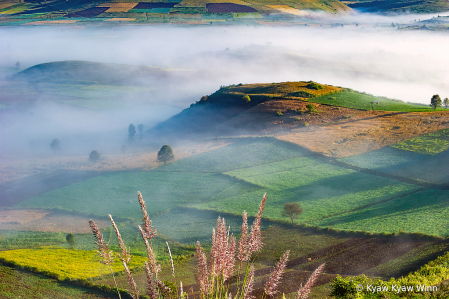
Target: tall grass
point(212, 274)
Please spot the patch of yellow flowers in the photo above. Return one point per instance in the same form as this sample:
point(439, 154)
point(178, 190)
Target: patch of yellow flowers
point(65, 263)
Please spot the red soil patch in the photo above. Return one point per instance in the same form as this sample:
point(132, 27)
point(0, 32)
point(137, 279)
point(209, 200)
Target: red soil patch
point(366, 131)
point(263, 119)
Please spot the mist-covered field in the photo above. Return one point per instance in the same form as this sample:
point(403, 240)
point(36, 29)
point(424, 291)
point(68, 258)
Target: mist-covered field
point(356, 143)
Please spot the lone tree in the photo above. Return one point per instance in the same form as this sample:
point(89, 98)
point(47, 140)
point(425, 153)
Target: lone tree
point(435, 101)
point(55, 145)
point(446, 102)
point(246, 98)
point(94, 156)
point(140, 127)
point(70, 238)
point(292, 210)
point(131, 131)
point(165, 154)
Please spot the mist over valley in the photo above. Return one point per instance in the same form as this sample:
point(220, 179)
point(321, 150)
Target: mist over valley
point(331, 112)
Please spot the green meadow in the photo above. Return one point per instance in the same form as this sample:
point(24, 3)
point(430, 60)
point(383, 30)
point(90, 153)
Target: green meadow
point(357, 100)
point(234, 178)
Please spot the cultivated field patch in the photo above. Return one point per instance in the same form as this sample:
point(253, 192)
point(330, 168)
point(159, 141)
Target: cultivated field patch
point(228, 8)
point(322, 189)
point(429, 144)
point(246, 152)
point(16, 283)
point(386, 159)
point(289, 10)
point(50, 222)
point(379, 256)
point(424, 211)
point(118, 7)
point(88, 13)
point(115, 194)
point(64, 263)
point(20, 216)
point(366, 131)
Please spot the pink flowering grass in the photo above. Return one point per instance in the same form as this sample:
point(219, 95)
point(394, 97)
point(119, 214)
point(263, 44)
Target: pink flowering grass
point(212, 273)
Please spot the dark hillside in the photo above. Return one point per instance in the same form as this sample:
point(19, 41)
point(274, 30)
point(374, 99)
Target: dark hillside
point(89, 72)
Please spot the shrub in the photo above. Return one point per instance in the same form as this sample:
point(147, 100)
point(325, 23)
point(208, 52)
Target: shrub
point(302, 94)
point(279, 113)
point(246, 98)
point(311, 107)
point(316, 86)
point(305, 124)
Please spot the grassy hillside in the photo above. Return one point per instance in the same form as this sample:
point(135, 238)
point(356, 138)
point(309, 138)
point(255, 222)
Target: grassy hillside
point(88, 73)
point(225, 112)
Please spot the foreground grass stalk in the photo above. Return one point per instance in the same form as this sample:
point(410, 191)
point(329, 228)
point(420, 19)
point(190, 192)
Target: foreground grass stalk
point(125, 257)
point(304, 291)
point(212, 276)
point(275, 276)
point(103, 250)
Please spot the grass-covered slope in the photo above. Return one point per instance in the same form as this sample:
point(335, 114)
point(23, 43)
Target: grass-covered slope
point(15, 283)
point(87, 72)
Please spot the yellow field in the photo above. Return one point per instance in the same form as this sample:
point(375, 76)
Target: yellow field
point(289, 10)
point(65, 263)
point(118, 7)
point(120, 20)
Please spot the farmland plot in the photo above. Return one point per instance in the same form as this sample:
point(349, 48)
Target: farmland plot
point(116, 193)
point(64, 263)
point(425, 211)
point(245, 153)
point(385, 160)
point(322, 189)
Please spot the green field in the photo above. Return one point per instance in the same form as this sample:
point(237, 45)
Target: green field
point(16, 283)
point(386, 159)
point(323, 190)
point(116, 194)
point(429, 144)
point(424, 211)
point(15, 239)
point(357, 100)
point(331, 196)
point(247, 152)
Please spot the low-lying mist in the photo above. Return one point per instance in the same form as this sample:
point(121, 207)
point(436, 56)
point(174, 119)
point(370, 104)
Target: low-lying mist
point(360, 54)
